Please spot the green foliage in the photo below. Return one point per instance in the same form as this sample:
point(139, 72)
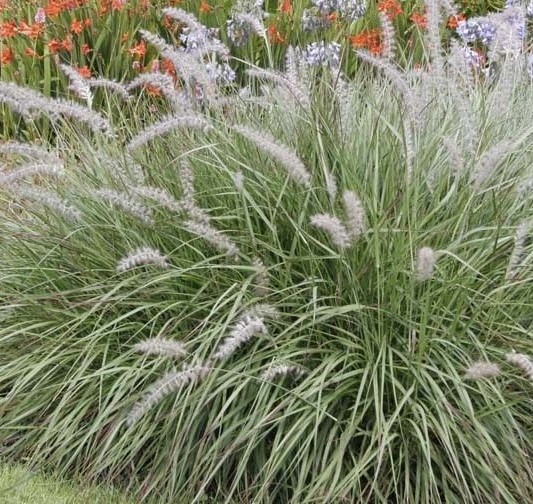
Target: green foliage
point(384, 412)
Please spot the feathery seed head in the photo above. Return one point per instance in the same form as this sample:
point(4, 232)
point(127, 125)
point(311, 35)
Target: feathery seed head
point(482, 369)
point(161, 346)
point(334, 227)
point(425, 263)
point(142, 256)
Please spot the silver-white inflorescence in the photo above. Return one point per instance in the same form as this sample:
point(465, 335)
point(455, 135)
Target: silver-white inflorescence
point(521, 361)
point(334, 227)
point(482, 369)
point(161, 346)
point(142, 256)
point(244, 330)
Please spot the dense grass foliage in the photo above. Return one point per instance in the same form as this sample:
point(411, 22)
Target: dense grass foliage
point(317, 289)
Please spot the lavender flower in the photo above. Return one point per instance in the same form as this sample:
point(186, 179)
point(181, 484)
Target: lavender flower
point(238, 31)
point(220, 73)
point(349, 9)
point(311, 22)
point(323, 53)
point(477, 29)
point(142, 256)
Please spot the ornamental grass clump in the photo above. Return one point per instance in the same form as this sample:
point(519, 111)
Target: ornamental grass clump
point(276, 340)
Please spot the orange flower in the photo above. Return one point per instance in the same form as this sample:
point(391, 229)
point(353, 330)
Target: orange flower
point(87, 22)
point(419, 19)
point(54, 45)
point(67, 44)
point(138, 50)
point(153, 90)
point(76, 26)
point(391, 8)
point(6, 55)
point(33, 30)
point(53, 8)
point(85, 48)
point(118, 4)
point(369, 39)
point(125, 37)
point(8, 29)
point(169, 67)
point(285, 6)
point(453, 21)
point(84, 71)
point(205, 7)
point(274, 35)
point(30, 51)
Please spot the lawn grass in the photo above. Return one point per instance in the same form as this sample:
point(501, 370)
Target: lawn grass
point(19, 485)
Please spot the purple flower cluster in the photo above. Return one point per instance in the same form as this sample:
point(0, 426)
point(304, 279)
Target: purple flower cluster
point(239, 29)
point(322, 53)
point(477, 29)
point(349, 9)
point(220, 73)
point(317, 17)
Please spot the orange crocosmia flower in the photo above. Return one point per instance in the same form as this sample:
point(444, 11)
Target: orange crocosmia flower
point(33, 30)
point(84, 71)
point(285, 6)
point(54, 45)
point(6, 55)
point(153, 90)
point(274, 35)
point(67, 44)
point(205, 7)
point(87, 22)
point(368, 39)
point(391, 8)
point(419, 19)
point(53, 8)
point(30, 51)
point(8, 29)
point(118, 4)
point(168, 67)
point(76, 26)
point(453, 21)
point(138, 50)
point(85, 48)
